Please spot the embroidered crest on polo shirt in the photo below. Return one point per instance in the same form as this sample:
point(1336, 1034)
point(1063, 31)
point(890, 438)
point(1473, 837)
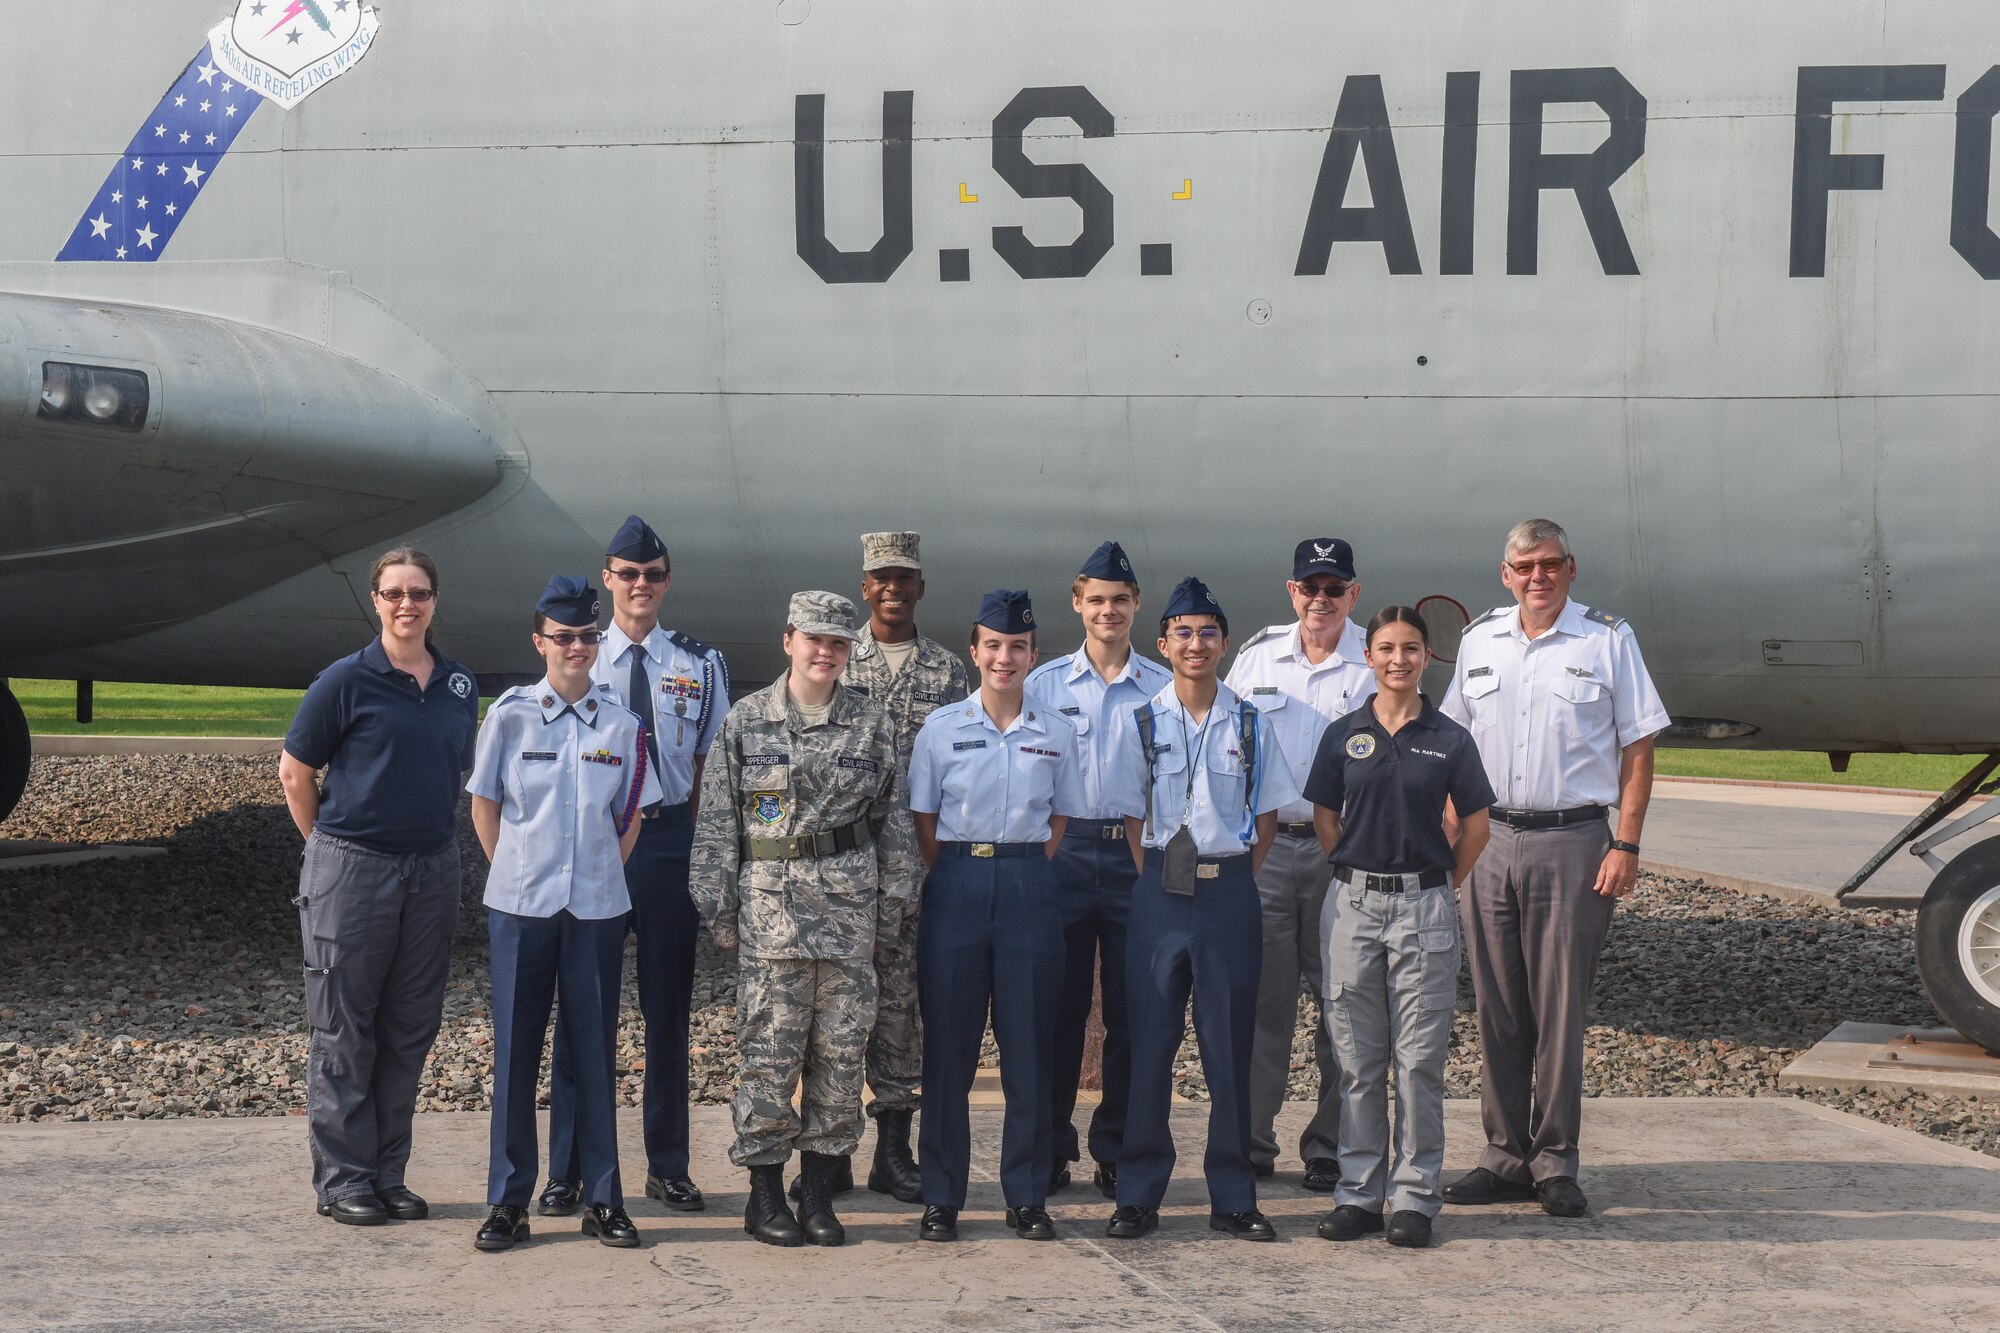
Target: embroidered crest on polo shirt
point(1360, 747)
point(460, 684)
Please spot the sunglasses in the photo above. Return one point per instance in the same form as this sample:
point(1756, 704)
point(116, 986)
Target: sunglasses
point(1529, 568)
point(634, 575)
point(1332, 592)
point(417, 595)
point(590, 638)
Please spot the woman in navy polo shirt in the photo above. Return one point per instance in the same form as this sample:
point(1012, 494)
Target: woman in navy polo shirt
point(394, 727)
point(1379, 785)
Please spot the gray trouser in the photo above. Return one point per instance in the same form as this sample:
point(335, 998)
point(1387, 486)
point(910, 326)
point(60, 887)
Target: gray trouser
point(1534, 928)
point(1292, 887)
point(1391, 978)
point(377, 931)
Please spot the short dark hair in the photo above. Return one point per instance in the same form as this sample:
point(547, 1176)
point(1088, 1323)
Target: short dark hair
point(1216, 616)
point(1398, 615)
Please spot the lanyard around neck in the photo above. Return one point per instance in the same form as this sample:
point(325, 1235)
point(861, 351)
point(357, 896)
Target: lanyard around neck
point(1194, 759)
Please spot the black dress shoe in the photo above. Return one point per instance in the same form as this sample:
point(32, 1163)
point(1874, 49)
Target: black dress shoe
point(611, 1227)
point(940, 1222)
point(1350, 1221)
point(1266, 1171)
point(1131, 1222)
point(1059, 1177)
point(1105, 1177)
point(676, 1192)
point(1246, 1225)
point(1560, 1197)
point(1031, 1223)
point(403, 1203)
point(356, 1210)
point(1322, 1175)
point(1410, 1229)
point(561, 1198)
point(505, 1227)
point(1480, 1186)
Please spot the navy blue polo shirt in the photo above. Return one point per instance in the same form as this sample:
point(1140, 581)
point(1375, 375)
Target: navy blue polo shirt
point(394, 755)
point(1390, 790)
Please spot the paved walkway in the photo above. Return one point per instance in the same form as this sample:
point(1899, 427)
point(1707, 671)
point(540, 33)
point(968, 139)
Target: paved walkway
point(1708, 1214)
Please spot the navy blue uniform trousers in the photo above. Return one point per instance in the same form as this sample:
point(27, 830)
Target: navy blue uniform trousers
point(989, 934)
point(1094, 877)
point(535, 959)
point(665, 921)
point(1210, 943)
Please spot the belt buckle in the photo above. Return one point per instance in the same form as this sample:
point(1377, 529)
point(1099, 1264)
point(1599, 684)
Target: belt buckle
point(1112, 831)
point(1207, 870)
point(983, 849)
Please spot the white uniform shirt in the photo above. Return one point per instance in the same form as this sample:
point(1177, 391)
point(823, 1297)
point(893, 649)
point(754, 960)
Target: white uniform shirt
point(1299, 697)
point(1071, 686)
point(1214, 805)
point(688, 696)
point(1550, 715)
point(568, 777)
point(986, 785)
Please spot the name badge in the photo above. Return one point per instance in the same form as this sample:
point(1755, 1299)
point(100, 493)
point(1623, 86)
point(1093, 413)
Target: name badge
point(536, 755)
point(749, 759)
point(1263, 689)
point(968, 745)
point(1069, 712)
point(865, 765)
point(1477, 672)
point(927, 696)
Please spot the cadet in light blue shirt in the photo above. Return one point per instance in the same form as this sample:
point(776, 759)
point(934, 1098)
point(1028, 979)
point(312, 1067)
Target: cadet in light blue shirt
point(557, 786)
point(1095, 687)
point(1199, 779)
point(992, 782)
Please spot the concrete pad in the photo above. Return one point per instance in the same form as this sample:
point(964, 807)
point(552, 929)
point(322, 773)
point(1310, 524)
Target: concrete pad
point(1842, 1060)
point(1723, 1214)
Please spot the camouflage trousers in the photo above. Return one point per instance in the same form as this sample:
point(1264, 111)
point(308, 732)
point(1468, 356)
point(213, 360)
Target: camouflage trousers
point(800, 1019)
point(896, 1046)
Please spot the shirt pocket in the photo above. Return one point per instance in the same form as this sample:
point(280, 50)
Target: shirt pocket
point(1583, 704)
point(676, 732)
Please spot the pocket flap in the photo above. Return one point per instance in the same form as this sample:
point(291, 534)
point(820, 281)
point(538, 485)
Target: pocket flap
point(1478, 687)
point(1579, 689)
point(1437, 941)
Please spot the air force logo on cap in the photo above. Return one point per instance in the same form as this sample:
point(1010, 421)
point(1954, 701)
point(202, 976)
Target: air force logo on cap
point(1006, 610)
point(635, 541)
point(569, 600)
point(1323, 555)
point(1108, 562)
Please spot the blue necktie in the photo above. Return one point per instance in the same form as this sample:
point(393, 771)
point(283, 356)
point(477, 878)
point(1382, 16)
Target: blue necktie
point(639, 698)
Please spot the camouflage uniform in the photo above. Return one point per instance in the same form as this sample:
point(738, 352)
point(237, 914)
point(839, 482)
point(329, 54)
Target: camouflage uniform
point(930, 678)
point(805, 991)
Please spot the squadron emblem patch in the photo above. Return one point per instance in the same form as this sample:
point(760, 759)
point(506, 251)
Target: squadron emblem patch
point(767, 807)
point(460, 684)
point(1360, 747)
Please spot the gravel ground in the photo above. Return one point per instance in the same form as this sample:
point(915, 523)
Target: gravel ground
point(169, 986)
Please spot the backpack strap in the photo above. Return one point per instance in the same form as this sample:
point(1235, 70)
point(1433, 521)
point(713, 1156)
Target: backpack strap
point(1247, 744)
point(1143, 716)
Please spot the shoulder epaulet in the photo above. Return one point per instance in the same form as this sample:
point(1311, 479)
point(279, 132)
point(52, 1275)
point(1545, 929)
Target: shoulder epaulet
point(1487, 615)
point(1050, 665)
point(511, 693)
point(688, 643)
point(1268, 632)
point(1603, 617)
point(605, 687)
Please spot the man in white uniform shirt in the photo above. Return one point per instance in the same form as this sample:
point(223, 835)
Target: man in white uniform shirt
point(1557, 697)
point(1301, 677)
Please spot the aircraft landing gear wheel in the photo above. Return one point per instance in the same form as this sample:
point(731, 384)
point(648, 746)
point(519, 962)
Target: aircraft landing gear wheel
point(1958, 943)
point(16, 750)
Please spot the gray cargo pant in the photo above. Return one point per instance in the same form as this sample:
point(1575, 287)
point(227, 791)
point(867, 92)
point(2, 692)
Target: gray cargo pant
point(1391, 979)
point(1534, 928)
point(377, 932)
point(1292, 888)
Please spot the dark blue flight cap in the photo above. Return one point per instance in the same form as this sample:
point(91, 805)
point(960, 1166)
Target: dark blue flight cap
point(1191, 597)
point(569, 600)
point(1007, 611)
point(1108, 562)
point(636, 542)
point(1323, 555)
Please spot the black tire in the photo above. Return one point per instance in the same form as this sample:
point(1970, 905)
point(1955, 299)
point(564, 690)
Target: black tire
point(16, 752)
point(1970, 881)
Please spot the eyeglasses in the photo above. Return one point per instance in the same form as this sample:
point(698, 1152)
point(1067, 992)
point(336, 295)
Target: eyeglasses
point(563, 638)
point(634, 575)
point(1332, 592)
point(1182, 633)
point(417, 595)
point(1527, 568)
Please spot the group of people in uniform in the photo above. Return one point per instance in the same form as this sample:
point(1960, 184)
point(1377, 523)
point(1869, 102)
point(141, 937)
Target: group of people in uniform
point(897, 857)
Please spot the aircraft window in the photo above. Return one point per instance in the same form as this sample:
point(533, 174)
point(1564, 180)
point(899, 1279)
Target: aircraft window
point(93, 396)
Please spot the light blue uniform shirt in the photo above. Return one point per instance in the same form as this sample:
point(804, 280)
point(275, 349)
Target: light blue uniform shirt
point(567, 778)
point(985, 785)
point(1071, 686)
point(687, 697)
point(1213, 806)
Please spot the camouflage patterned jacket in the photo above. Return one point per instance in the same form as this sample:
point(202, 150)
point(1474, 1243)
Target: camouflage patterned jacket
point(933, 677)
point(769, 775)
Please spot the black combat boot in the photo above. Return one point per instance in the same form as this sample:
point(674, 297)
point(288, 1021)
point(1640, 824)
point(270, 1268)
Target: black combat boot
point(819, 1171)
point(767, 1217)
point(895, 1171)
point(843, 1178)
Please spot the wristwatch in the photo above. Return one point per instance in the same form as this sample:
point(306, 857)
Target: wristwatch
point(1619, 845)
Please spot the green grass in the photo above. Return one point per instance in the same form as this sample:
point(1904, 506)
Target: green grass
point(197, 710)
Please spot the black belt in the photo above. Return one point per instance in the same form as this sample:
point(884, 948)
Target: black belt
point(1535, 819)
point(660, 809)
point(987, 850)
point(1305, 830)
point(1423, 879)
point(1109, 829)
point(807, 846)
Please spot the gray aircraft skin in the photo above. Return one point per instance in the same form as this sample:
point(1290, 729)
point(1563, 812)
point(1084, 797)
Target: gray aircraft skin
point(1709, 282)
